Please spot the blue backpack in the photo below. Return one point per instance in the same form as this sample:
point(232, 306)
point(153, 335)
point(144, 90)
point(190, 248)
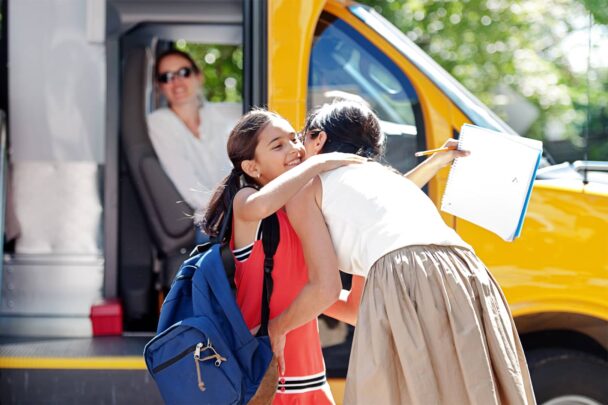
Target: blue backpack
point(203, 352)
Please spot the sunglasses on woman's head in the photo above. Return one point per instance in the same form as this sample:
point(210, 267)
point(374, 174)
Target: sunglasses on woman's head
point(168, 77)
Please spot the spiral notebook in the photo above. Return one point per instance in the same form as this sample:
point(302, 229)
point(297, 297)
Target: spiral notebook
point(491, 187)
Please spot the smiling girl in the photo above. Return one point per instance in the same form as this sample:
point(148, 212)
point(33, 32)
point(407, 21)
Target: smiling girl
point(268, 170)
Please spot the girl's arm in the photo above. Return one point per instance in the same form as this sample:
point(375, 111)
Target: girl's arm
point(347, 307)
point(323, 287)
point(266, 201)
point(425, 171)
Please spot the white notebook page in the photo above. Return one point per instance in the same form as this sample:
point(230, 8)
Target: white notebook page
point(490, 186)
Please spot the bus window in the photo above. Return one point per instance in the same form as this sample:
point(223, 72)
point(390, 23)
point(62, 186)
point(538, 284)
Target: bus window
point(345, 65)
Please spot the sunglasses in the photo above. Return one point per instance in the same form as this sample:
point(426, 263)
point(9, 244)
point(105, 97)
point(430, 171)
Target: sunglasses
point(168, 77)
point(301, 136)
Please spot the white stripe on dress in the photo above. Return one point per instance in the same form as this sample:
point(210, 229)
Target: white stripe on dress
point(300, 384)
point(241, 254)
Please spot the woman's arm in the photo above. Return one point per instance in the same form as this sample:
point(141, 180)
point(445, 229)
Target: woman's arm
point(276, 193)
point(347, 307)
point(323, 287)
point(425, 171)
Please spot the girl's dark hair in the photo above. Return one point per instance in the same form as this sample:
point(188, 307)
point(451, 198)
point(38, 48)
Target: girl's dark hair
point(350, 126)
point(175, 52)
point(241, 146)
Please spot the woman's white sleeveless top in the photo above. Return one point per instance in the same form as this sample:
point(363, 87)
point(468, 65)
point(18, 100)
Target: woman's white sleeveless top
point(371, 211)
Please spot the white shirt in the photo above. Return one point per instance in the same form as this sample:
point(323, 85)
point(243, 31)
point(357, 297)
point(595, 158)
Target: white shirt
point(194, 165)
point(371, 211)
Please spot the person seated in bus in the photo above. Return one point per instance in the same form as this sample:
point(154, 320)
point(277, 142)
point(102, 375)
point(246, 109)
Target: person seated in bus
point(190, 135)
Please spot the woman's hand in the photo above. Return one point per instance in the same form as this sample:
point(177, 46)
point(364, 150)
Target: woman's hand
point(277, 342)
point(333, 160)
point(425, 171)
point(442, 159)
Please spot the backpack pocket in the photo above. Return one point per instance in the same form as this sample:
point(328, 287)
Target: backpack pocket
point(191, 363)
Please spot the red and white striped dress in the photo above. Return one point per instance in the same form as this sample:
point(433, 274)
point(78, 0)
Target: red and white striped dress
point(304, 381)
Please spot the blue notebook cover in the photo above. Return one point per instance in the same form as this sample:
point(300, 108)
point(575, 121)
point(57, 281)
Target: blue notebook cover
point(523, 212)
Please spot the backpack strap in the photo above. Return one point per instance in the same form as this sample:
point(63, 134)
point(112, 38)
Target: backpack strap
point(225, 229)
point(225, 251)
point(270, 242)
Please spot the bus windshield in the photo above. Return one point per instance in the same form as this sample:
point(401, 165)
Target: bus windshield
point(474, 109)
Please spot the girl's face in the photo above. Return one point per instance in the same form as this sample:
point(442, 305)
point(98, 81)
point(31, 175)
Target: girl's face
point(278, 150)
point(183, 83)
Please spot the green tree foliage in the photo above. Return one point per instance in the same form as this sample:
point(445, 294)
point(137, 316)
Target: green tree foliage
point(522, 44)
point(222, 68)
point(599, 9)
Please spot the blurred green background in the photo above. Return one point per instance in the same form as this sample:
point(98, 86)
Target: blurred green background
point(542, 65)
point(222, 67)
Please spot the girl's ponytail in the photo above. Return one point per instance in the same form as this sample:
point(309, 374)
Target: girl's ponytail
point(220, 201)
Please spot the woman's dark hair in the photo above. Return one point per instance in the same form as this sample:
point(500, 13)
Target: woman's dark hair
point(241, 146)
point(175, 52)
point(350, 126)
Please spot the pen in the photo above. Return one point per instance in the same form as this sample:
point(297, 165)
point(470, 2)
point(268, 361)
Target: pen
point(431, 151)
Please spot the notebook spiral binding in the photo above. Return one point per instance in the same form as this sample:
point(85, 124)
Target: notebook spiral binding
point(444, 198)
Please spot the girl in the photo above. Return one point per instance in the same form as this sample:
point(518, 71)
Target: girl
point(266, 156)
point(433, 325)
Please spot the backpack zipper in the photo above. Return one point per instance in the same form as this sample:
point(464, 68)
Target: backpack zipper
point(173, 360)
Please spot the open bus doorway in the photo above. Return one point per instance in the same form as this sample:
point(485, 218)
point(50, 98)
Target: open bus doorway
point(151, 208)
point(87, 233)
point(46, 334)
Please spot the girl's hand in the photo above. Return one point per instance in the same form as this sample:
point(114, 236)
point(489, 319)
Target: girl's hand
point(277, 342)
point(442, 159)
point(333, 160)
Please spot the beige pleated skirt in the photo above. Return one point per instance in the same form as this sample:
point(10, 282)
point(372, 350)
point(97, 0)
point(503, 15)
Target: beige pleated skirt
point(435, 328)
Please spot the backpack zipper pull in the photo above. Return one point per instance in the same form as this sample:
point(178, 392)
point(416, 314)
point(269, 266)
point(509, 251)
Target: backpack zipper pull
point(219, 359)
point(197, 356)
point(197, 351)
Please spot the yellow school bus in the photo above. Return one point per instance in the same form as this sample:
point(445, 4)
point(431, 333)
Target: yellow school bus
point(86, 161)
point(555, 276)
